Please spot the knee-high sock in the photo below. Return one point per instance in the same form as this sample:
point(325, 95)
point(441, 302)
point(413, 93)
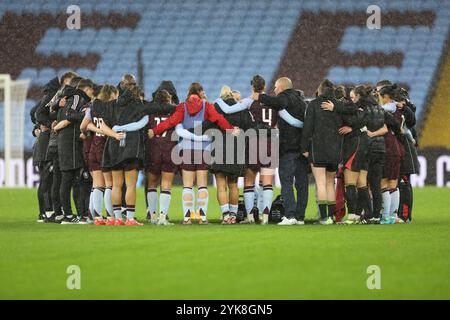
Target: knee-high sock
point(351, 197)
point(364, 203)
point(260, 198)
point(202, 201)
point(386, 196)
point(267, 198)
point(164, 202)
point(91, 205)
point(249, 198)
point(97, 202)
point(395, 201)
point(108, 202)
point(322, 204)
point(152, 196)
point(233, 209)
point(188, 202)
point(331, 205)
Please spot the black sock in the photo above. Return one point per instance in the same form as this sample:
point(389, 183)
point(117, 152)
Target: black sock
point(351, 197)
point(331, 208)
point(322, 209)
point(364, 202)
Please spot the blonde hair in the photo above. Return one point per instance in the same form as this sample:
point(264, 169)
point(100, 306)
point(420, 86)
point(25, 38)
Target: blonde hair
point(226, 93)
point(106, 92)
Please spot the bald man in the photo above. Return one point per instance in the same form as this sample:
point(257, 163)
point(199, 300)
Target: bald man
point(293, 165)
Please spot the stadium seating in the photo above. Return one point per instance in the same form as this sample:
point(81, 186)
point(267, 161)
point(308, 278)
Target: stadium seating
point(227, 41)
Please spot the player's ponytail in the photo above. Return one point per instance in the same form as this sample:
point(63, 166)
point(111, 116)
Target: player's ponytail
point(258, 83)
point(324, 87)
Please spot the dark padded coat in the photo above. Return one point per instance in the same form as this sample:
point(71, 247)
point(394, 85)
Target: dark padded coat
point(321, 131)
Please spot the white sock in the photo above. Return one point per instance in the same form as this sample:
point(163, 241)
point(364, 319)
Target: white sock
point(152, 196)
point(395, 201)
point(91, 204)
point(108, 201)
point(260, 199)
point(267, 198)
point(202, 201)
point(97, 202)
point(386, 197)
point(225, 209)
point(233, 209)
point(164, 201)
point(188, 202)
point(117, 212)
point(249, 198)
point(130, 212)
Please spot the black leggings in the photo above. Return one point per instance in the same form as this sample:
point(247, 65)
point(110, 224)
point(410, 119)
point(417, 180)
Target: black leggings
point(406, 198)
point(56, 185)
point(376, 164)
point(44, 189)
point(78, 181)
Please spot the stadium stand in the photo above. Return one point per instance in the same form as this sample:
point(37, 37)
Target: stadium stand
point(226, 42)
point(435, 132)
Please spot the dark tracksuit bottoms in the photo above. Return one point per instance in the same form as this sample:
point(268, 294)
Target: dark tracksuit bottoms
point(293, 169)
point(44, 189)
point(375, 173)
point(72, 180)
point(56, 185)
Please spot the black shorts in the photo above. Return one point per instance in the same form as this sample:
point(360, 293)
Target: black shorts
point(357, 161)
point(128, 165)
point(330, 167)
point(355, 153)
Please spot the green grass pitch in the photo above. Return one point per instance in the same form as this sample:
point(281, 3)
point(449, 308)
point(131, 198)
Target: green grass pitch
point(224, 262)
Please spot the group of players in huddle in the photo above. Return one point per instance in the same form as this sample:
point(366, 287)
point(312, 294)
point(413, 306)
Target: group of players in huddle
point(92, 141)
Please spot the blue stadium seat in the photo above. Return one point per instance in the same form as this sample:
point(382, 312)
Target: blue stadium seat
point(230, 40)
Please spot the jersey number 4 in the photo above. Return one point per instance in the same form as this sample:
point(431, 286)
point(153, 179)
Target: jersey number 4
point(267, 116)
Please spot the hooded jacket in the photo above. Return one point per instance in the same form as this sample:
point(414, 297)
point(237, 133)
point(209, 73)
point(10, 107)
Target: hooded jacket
point(170, 88)
point(193, 105)
point(42, 117)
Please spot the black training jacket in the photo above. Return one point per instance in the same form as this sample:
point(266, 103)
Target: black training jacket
point(41, 115)
point(294, 103)
point(70, 146)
